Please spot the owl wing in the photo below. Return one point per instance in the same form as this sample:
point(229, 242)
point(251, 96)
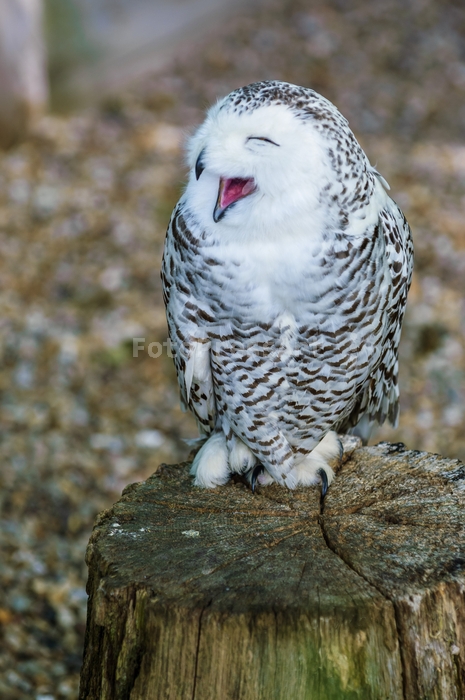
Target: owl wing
point(379, 398)
point(189, 343)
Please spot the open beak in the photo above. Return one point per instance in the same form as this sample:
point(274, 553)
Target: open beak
point(230, 191)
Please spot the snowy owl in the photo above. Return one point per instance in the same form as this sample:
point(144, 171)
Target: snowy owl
point(285, 273)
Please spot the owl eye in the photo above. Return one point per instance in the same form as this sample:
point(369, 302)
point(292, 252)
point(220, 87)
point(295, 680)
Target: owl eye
point(261, 138)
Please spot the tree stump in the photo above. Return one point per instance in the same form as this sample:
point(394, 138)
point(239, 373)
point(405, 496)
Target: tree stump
point(23, 73)
point(223, 594)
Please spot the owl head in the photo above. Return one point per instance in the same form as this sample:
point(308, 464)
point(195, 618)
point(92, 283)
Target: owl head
point(272, 156)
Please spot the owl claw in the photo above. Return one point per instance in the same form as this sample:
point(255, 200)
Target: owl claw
point(257, 470)
point(324, 481)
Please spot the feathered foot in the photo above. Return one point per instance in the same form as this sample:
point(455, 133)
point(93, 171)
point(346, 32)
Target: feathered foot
point(315, 467)
point(241, 458)
point(218, 458)
point(312, 469)
point(210, 465)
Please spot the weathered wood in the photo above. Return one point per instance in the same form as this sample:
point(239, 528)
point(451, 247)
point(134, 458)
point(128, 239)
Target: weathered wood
point(202, 595)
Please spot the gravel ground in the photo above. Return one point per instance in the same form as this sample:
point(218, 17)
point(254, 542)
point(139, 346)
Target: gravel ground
point(83, 209)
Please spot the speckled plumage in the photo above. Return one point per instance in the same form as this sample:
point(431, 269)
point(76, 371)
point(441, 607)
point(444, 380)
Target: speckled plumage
point(285, 315)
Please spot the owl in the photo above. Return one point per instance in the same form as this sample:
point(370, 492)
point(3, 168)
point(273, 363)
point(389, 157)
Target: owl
point(285, 274)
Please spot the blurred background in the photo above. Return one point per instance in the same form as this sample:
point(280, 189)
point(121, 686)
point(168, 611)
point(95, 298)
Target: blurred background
point(96, 100)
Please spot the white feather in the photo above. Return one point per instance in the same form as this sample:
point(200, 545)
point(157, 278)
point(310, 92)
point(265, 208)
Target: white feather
point(197, 366)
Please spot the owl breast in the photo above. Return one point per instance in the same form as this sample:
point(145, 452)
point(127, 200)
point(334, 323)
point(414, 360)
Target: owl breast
point(295, 332)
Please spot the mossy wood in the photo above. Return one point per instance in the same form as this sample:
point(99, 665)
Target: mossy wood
point(201, 595)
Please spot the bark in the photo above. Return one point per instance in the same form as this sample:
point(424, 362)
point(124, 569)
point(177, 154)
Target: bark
point(199, 595)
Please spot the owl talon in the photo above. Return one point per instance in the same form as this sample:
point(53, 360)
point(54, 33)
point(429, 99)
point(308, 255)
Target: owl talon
point(259, 469)
point(324, 481)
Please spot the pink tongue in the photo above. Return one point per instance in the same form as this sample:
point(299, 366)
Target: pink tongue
point(234, 189)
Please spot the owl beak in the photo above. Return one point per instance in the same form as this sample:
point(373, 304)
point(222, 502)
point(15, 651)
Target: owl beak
point(200, 165)
point(230, 191)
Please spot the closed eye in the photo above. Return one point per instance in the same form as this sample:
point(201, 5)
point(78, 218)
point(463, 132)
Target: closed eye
point(261, 138)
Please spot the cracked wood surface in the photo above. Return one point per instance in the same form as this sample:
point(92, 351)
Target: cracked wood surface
point(199, 595)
